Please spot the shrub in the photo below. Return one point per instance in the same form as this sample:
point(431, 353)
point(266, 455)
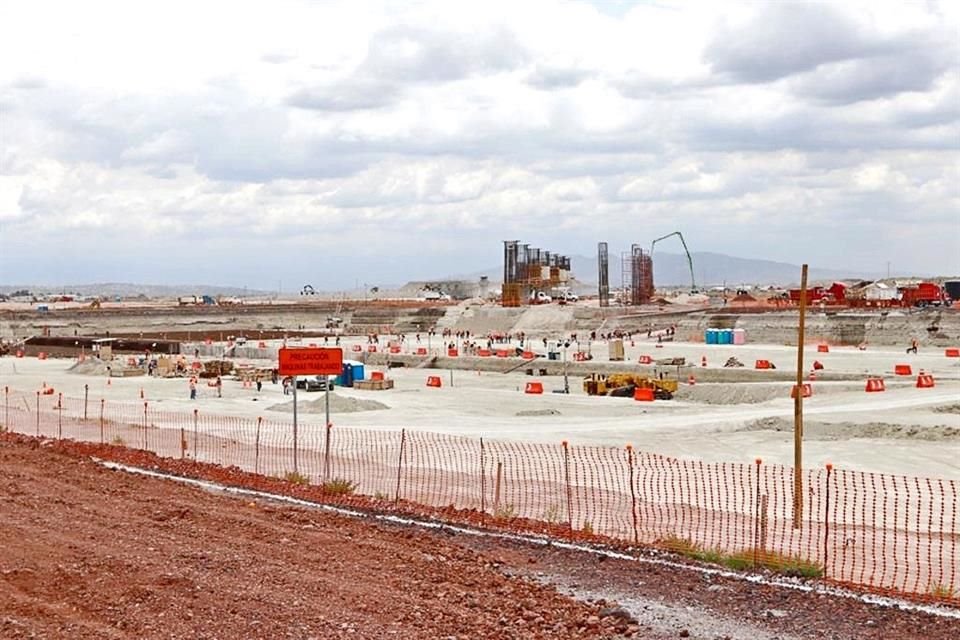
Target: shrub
point(118, 441)
point(339, 486)
point(296, 478)
point(505, 512)
point(942, 591)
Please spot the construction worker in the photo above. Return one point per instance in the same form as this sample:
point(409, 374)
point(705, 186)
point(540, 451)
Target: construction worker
point(193, 388)
point(913, 346)
point(219, 385)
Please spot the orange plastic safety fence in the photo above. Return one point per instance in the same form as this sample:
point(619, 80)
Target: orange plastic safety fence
point(878, 530)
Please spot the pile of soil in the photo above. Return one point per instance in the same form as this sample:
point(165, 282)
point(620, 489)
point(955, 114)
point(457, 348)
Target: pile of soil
point(338, 404)
point(848, 430)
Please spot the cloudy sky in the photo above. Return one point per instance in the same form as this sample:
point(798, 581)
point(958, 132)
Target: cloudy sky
point(333, 143)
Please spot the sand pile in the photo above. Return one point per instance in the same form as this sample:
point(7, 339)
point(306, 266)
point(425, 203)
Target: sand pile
point(746, 393)
point(947, 408)
point(93, 367)
point(850, 430)
point(338, 404)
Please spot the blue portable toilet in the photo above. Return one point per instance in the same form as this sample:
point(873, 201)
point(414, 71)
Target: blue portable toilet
point(358, 372)
point(346, 375)
point(711, 336)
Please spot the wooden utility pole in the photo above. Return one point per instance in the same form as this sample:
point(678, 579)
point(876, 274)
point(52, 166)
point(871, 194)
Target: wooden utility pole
point(798, 410)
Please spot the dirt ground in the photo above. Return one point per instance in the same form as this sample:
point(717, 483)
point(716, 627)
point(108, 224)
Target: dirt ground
point(95, 553)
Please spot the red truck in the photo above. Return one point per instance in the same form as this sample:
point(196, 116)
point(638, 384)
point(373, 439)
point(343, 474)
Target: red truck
point(925, 294)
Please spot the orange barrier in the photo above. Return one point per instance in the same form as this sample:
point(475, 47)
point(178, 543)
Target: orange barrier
point(434, 381)
point(580, 356)
point(453, 353)
point(503, 353)
point(534, 387)
point(47, 391)
point(261, 345)
point(952, 352)
point(484, 353)
point(807, 390)
point(19, 354)
point(885, 532)
point(356, 348)
point(875, 384)
point(643, 394)
point(376, 375)
point(42, 355)
point(762, 364)
point(207, 341)
point(394, 349)
point(646, 359)
point(924, 381)
point(528, 355)
point(903, 370)
point(421, 351)
point(823, 348)
point(371, 348)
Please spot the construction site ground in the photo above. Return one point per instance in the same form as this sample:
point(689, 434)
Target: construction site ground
point(742, 415)
point(91, 552)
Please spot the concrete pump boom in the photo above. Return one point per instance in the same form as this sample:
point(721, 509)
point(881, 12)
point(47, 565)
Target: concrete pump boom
point(693, 280)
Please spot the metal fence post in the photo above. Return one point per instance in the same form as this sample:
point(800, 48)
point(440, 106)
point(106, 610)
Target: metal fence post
point(633, 495)
point(496, 489)
point(403, 440)
point(145, 426)
point(6, 407)
point(86, 396)
point(38, 414)
point(566, 478)
point(826, 521)
point(326, 452)
point(195, 420)
point(102, 401)
point(256, 450)
point(59, 416)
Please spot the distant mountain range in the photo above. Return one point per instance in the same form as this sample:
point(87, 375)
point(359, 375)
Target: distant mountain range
point(669, 269)
point(127, 289)
point(710, 269)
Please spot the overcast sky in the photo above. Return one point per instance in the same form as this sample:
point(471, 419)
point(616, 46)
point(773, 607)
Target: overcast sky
point(333, 143)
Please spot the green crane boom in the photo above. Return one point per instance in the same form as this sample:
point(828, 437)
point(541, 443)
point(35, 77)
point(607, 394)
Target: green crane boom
point(693, 280)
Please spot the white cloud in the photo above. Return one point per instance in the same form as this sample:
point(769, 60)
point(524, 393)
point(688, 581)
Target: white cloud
point(455, 127)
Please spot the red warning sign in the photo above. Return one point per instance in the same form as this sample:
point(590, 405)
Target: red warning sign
point(310, 361)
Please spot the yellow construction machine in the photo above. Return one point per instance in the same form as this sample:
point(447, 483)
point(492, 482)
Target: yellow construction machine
point(623, 385)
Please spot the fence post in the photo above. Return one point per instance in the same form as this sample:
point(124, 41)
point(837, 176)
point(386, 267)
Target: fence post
point(633, 495)
point(86, 395)
point(256, 449)
point(403, 440)
point(6, 408)
point(496, 489)
point(326, 452)
point(826, 521)
point(38, 414)
point(144, 426)
point(755, 499)
point(483, 484)
point(195, 412)
point(764, 501)
point(566, 479)
point(60, 416)
point(102, 401)
point(183, 442)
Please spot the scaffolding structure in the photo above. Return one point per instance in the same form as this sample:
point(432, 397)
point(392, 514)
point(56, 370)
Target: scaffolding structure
point(603, 277)
point(637, 276)
point(527, 270)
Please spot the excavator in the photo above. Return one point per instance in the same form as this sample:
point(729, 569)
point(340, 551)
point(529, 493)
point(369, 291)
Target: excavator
point(693, 281)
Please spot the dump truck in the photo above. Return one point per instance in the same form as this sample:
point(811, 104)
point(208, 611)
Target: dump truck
point(624, 384)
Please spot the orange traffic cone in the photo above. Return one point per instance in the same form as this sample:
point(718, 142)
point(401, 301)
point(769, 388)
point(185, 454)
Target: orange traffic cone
point(703, 361)
point(691, 380)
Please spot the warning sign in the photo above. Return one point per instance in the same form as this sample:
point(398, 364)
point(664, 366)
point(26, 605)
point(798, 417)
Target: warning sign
point(310, 361)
